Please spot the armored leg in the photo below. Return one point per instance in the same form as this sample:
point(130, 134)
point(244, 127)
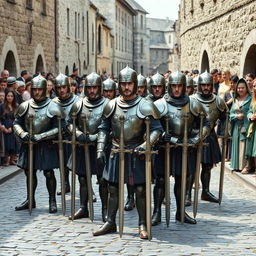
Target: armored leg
point(83, 210)
point(177, 192)
point(51, 187)
point(159, 193)
point(130, 204)
point(140, 191)
point(205, 179)
point(67, 184)
point(110, 225)
point(24, 205)
point(190, 181)
point(103, 190)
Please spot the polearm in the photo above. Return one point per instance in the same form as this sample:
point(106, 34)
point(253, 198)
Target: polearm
point(88, 172)
point(30, 168)
point(121, 152)
point(224, 148)
point(148, 153)
point(62, 169)
point(198, 164)
point(167, 174)
point(73, 184)
point(185, 146)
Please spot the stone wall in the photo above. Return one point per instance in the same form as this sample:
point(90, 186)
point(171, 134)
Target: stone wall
point(218, 34)
point(27, 33)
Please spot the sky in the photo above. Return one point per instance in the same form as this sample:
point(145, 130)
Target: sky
point(161, 8)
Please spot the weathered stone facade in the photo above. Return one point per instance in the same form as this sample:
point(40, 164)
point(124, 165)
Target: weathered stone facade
point(141, 39)
point(120, 18)
point(218, 34)
point(162, 40)
point(27, 38)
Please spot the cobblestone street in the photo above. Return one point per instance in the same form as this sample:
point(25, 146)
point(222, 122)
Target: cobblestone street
point(229, 229)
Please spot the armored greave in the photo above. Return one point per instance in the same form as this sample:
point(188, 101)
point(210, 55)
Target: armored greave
point(103, 190)
point(177, 192)
point(24, 205)
point(110, 225)
point(83, 210)
point(205, 179)
point(190, 182)
point(66, 184)
point(140, 191)
point(159, 193)
point(51, 187)
point(130, 204)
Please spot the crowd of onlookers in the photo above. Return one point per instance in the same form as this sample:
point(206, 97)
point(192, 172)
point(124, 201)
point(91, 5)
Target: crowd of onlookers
point(239, 95)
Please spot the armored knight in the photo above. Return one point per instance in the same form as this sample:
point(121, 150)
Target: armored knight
point(65, 99)
point(156, 87)
point(45, 128)
point(215, 107)
point(91, 108)
point(142, 86)
point(189, 86)
point(174, 106)
point(109, 89)
point(134, 109)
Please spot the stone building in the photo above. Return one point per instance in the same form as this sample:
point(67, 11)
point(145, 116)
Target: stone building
point(141, 39)
point(218, 34)
point(162, 40)
point(119, 14)
point(76, 36)
point(27, 38)
point(104, 46)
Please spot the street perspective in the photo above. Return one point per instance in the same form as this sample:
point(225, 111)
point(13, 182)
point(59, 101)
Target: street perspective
point(127, 127)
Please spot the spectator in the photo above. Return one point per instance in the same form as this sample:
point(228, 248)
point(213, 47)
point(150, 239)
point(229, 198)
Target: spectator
point(251, 134)
point(239, 125)
point(75, 75)
point(11, 83)
point(5, 74)
point(26, 94)
point(3, 83)
point(249, 79)
point(2, 96)
point(7, 113)
point(73, 86)
point(50, 89)
point(23, 76)
point(216, 83)
point(225, 85)
point(49, 76)
point(20, 91)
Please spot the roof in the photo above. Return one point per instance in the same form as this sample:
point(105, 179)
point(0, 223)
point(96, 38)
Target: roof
point(136, 6)
point(160, 24)
point(127, 5)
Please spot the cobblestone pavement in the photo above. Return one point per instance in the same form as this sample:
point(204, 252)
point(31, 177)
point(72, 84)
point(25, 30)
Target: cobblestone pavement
point(229, 229)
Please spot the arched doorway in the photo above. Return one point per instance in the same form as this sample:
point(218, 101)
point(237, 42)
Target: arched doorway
point(250, 61)
point(10, 64)
point(39, 64)
point(205, 62)
point(66, 71)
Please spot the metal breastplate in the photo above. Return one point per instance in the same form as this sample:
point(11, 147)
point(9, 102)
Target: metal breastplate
point(212, 111)
point(66, 105)
point(134, 127)
point(41, 122)
point(176, 122)
point(93, 115)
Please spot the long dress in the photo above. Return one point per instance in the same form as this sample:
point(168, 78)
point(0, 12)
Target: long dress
point(238, 132)
point(10, 141)
point(251, 135)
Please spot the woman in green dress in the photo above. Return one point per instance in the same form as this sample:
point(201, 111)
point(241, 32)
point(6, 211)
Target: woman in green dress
point(251, 134)
point(239, 124)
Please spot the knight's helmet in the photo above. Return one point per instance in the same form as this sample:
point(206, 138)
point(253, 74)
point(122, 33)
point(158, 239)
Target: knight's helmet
point(93, 80)
point(39, 82)
point(109, 85)
point(127, 75)
point(204, 78)
point(157, 79)
point(62, 80)
point(177, 78)
point(142, 82)
point(189, 81)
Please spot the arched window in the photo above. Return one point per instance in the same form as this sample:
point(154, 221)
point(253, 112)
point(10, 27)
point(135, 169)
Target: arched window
point(99, 39)
point(10, 63)
point(39, 64)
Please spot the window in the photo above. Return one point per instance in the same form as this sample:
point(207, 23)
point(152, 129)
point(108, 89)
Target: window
point(75, 26)
point(99, 39)
point(83, 37)
point(141, 22)
point(92, 38)
point(141, 47)
point(12, 1)
point(43, 6)
point(29, 4)
point(106, 38)
point(67, 22)
point(78, 26)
